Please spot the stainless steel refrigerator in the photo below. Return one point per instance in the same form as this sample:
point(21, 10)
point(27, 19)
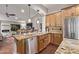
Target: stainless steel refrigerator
point(71, 27)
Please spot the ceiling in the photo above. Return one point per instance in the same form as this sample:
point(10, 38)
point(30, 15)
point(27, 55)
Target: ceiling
point(55, 7)
point(16, 9)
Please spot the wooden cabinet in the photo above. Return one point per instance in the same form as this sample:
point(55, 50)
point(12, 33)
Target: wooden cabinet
point(57, 38)
point(69, 12)
point(59, 19)
point(51, 39)
point(40, 44)
point(73, 11)
point(54, 19)
point(46, 40)
point(43, 41)
point(48, 20)
point(21, 46)
point(77, 10)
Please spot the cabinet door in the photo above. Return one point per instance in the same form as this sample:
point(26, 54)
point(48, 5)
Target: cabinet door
point(48, 20)
point(21, 46)
point(77, 10)
point(57, 39)
point(51, 38)
point(40, 44)
point(73, 11)
point(53, 20)
point(59, 19)
point(46, 40)
point(67, 12)
point(70, 11)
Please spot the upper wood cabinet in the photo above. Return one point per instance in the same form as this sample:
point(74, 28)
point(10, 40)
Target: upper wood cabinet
point(54, 19)
point(48, 20)
point(73, 11)
point(59, 19)
point(77, 10)
point(69, 11)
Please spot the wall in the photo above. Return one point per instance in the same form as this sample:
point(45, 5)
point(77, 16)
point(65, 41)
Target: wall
point(43, 23)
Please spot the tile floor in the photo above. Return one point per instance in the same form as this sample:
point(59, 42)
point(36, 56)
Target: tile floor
point(68, 46)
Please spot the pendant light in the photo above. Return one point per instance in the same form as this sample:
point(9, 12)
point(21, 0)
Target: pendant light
point(37, 21)
point(38, 18)
point(29, 20)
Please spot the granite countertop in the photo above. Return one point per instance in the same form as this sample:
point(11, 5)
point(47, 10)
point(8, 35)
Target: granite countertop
point(68, 46)
point(33, 34)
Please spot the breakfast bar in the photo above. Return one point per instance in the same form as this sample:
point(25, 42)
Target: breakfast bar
point(39, 39)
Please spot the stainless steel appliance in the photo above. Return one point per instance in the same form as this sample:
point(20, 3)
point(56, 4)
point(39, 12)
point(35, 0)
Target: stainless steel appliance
point(71, 27)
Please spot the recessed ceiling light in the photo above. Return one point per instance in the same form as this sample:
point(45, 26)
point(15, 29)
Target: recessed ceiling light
point(22, 10)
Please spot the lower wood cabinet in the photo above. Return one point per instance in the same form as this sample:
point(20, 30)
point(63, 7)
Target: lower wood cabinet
point(21, 46)
point(43, 41)
point(46, 40)
point(51, 38)
point(40, 44)
point(57, 38)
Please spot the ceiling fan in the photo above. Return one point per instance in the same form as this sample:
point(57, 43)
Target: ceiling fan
point(7, 14)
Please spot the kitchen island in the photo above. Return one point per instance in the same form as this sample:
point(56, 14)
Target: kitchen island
point(35, 42)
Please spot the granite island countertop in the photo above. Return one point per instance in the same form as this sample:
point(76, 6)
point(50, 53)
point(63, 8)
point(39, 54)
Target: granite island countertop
point(33, 34)
point(68, 46)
